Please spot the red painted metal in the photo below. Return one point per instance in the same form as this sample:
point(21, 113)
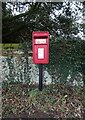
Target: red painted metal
point(40, 46)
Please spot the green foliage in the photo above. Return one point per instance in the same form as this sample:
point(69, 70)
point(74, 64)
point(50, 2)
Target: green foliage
point(67, 58)
point(10, 46)
point(38, 18)
point(63, 98)
point(5, 12)
point(34, 93)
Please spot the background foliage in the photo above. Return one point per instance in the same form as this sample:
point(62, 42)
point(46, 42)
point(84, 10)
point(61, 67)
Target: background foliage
point(66, 50)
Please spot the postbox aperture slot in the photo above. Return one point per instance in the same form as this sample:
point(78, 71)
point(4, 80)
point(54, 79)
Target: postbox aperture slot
point(37, 37)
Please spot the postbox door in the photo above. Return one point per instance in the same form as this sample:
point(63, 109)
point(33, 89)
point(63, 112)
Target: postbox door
point(41, 54)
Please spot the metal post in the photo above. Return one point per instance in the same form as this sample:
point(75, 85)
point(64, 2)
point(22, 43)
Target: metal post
point(40, 77)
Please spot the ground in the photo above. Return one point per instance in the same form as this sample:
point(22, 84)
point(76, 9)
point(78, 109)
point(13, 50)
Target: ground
point(55, 101)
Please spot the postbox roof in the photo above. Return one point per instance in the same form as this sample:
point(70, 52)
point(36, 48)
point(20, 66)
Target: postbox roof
point(40, 33)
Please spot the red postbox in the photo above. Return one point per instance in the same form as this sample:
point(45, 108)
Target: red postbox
point(40, 46)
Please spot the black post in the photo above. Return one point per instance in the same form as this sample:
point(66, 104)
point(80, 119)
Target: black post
point(40, 77)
